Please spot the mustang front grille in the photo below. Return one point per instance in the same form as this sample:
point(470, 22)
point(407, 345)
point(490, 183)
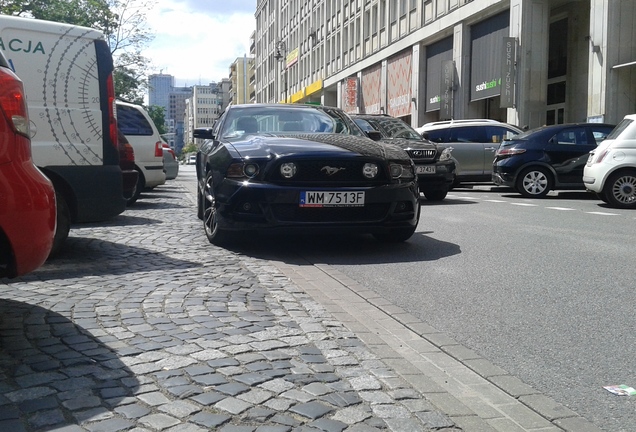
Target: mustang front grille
point(326, 171)
point(294, 213)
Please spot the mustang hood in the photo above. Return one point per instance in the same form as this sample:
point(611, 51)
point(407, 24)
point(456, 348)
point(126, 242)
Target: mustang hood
point(280, 145)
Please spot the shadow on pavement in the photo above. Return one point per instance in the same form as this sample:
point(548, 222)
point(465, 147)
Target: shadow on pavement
point(54, 372)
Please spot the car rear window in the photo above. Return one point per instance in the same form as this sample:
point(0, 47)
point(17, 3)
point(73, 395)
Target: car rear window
point(618, 130)
point(132, 122)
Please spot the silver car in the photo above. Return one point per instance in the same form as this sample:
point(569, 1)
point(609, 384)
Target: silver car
point(474, 144)
point(170, 162)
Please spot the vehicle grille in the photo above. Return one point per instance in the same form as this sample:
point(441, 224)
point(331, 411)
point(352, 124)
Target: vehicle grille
point(368, 213)
point(328, 171)
point(422, 154)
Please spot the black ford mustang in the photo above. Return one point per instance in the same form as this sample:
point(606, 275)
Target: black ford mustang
point(306, 167)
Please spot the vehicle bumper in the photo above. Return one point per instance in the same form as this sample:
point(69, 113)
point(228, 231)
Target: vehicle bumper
point(502, 178)
point(153, 175)
point(129, 178)
point(27, 217)
point(443, 176)
point(257, 206)
point(172, 171)
point(593, 176)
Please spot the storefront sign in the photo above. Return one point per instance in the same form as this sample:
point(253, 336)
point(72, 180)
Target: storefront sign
point(350, 95)
point(508, 72)
point(436, 55)
point(399, 71)
point(446, 89)
point(487, 38)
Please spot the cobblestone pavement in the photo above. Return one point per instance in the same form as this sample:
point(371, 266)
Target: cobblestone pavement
point(142, 325)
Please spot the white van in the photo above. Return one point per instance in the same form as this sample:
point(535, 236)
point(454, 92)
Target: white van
point(143, 136)
point(67, 75)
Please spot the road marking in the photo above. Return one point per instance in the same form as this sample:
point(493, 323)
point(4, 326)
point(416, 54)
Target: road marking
point(524, 204)
point(496, 201)
point(603, 213)
point(560, 208)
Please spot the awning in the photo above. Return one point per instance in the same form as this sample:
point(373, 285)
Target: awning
point(624, 65)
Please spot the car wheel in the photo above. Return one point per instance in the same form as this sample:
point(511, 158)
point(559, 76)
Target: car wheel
point(534, 182)
point(620, 190)
point(63, 226)
point(436, 194)
point(138, 188)
point(601, 195)
point(210, 215)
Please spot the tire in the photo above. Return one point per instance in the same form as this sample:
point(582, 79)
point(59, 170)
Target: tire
point(436, 194)
point(398, 235)
point(63, 225)
point(620, 190)
point(214, 234)
point(141, 181)
point(601, 195)
point(199, 204)
point(534, 182)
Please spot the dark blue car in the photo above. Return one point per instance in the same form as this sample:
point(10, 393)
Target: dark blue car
point(547, 158)
point(301, 167)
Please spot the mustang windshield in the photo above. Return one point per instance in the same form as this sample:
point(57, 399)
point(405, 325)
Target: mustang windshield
point(256, 120)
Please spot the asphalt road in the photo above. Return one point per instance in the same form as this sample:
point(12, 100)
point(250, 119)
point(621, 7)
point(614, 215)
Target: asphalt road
point(542, 288)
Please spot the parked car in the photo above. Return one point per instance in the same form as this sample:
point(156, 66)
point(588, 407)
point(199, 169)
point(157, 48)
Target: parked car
point(170, 162)
point(305, 168)
point(474, 143)
point(127, 165)
point(434, 167)
point(192, 159)
point(547, 158)
point(611, 167)
point(142, 134)
point(27, 208)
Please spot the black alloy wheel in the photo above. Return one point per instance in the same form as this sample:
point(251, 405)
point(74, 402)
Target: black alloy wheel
point(620, 189)
point(534, 182)
point(215, 235)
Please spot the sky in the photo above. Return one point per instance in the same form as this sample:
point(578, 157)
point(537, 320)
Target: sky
point(197, 40)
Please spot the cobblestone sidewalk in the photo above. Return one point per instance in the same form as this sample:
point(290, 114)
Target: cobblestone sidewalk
point(142, 325)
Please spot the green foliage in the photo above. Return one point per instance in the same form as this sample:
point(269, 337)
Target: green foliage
point(157, 114)
point(189, 148)
point(122, 21)
point(88, 13)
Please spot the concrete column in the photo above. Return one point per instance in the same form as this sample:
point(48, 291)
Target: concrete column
point(461, 57)
point(415, 80)
point(530, 24)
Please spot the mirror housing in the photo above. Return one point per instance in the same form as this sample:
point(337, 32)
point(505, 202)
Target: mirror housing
point(374, 135)
point(204, 133)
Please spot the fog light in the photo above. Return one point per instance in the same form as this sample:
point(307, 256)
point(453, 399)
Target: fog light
point(250, 170)
point(370, 170)
point(247, 207)
point(288, 170)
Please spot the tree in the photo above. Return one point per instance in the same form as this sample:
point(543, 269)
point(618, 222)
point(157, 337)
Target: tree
point(88, 13)
point(157, 114)
point(122, 21)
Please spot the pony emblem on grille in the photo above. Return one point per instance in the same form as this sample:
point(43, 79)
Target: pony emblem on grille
point(331, 170)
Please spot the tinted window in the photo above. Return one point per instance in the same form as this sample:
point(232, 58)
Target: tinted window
point(600, 132)
point(438, 136)
point(476, 134)
point(497, 134)
point(132, 122)
point(572, 136)
point(364, 125)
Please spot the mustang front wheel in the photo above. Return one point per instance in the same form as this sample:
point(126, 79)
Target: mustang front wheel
point(210, 215)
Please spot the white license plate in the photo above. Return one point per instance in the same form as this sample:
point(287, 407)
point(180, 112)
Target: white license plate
point(424, 169)
point(332, 199)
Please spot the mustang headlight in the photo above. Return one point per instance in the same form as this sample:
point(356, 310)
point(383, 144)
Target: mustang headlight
point(288, 170)
point(396, 170)
point(242, 170)
point(370, 170)
point(446, 154)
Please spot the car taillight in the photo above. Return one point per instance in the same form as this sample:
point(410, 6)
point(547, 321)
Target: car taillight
point(13, 103)
point(112, 110)
point(510, 151)
point(159, 149)
point(601, 156)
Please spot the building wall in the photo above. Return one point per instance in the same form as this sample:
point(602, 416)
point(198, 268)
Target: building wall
point(327, 43)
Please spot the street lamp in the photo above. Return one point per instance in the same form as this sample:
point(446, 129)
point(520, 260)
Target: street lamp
point(281, 55)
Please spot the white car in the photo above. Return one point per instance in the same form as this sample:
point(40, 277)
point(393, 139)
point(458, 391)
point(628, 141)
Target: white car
point(143, 136)
point(611, 167)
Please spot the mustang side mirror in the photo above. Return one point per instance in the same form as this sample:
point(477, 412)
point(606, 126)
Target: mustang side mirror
point(204, 133)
